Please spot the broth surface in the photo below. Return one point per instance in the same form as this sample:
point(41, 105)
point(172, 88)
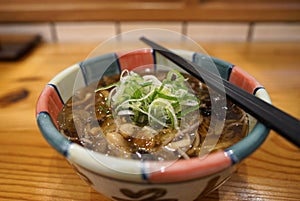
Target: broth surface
point(88, 120)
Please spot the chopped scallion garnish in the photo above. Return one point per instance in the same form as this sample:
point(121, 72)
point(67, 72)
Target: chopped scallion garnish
point(163, 102)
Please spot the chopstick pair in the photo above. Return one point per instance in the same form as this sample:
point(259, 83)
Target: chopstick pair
point(274, 118)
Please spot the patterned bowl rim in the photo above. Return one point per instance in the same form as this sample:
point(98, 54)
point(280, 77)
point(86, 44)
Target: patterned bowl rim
point(56, 93)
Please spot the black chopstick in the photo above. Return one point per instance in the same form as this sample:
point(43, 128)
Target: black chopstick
point(274, 118)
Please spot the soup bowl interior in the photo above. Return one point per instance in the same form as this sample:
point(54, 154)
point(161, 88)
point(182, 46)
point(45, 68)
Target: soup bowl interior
point(119, 178)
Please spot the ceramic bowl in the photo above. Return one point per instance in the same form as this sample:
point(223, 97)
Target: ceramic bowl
point(124, 179)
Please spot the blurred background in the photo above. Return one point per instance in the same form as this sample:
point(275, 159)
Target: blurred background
point(202, 20)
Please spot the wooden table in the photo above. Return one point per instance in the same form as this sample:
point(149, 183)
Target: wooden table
point(31, 170)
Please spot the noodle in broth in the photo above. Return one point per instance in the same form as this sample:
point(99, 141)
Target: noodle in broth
point(89, 119)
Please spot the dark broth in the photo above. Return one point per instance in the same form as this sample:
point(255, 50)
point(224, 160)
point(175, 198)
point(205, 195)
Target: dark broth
point(87, 120)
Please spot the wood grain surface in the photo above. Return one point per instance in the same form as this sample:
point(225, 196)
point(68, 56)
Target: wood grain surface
point(150, 10)
point(31, 170)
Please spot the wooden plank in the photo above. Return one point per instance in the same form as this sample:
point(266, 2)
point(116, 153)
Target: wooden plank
point(155, 10)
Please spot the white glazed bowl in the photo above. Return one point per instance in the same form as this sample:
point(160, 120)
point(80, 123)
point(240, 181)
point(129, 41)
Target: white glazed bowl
point(129, 179)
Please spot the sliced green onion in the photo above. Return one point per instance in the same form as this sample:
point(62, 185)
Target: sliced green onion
point(163, 102)
point(106, 87)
